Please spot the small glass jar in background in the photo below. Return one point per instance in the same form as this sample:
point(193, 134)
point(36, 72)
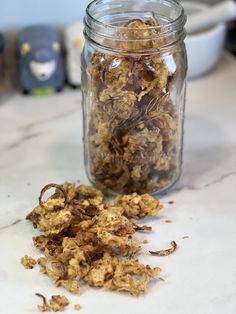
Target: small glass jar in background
point(133, 80)
point(2, 44)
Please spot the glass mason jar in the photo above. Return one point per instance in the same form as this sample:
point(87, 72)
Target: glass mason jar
point(133, 81)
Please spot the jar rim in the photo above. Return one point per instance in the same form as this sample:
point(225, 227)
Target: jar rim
point(105, 20)
point(176, 23)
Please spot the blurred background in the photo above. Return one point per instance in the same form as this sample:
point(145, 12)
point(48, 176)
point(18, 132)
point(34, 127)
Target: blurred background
point(16, 15)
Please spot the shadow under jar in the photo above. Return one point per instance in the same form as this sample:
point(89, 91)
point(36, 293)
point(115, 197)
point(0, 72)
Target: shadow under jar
point(133, 81)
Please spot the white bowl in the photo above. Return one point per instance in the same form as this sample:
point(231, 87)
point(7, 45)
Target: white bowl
point(204, 49)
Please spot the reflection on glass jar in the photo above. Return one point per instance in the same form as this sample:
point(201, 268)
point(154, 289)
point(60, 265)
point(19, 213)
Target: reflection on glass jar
point(134, 73)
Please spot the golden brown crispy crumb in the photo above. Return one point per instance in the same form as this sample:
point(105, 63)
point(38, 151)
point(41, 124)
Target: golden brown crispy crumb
point(43, 307)
point(185, 237)
point(131, 276)
point(168, 221)
point(145, 242)
point(58, 303)
point(96, 245)
point(77, 307)
point(135, 205)
point(28, 262)
point(166, 252)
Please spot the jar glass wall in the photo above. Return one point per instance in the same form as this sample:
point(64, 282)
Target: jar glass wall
point(133, 82)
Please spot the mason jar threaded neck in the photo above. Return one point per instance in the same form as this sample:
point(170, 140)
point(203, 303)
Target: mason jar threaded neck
point(106, 20)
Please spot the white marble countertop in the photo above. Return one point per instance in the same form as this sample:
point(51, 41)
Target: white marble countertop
point(41, 142)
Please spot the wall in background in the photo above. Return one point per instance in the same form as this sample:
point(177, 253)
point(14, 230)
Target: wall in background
point(17, 13)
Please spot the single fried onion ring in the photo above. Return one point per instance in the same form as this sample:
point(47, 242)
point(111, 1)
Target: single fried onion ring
point(49, 186)
point(166, 252)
